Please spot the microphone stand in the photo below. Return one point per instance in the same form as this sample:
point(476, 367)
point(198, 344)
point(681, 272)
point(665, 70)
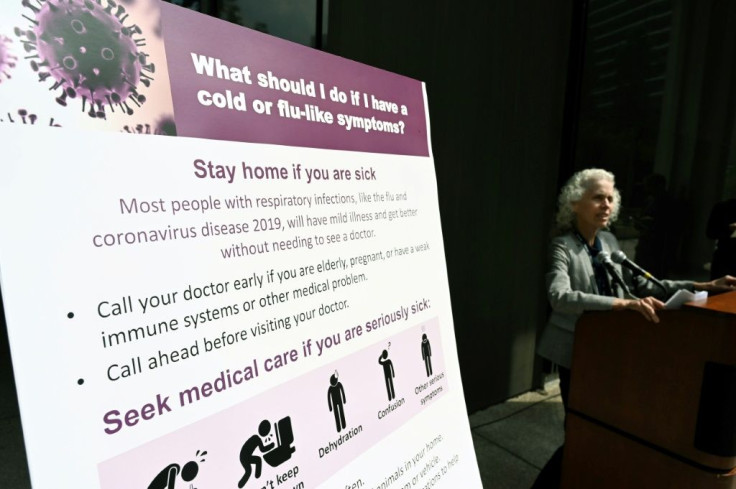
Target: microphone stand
point(616, 279)
point(617, 283)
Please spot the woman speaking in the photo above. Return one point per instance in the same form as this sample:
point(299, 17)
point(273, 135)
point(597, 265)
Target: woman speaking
point(578, 279)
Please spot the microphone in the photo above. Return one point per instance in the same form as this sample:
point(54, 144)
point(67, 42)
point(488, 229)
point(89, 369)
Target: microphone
point(605, 259)
point(619, 257)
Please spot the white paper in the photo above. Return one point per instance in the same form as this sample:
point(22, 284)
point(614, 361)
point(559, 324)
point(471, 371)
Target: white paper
point(683, 296)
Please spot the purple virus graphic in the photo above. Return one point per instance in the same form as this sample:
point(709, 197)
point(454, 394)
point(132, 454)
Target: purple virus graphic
point(167, 126)
point(24, 117)
point(85, 47)
point(164, 127)
point(140, 129)
point(7, 58)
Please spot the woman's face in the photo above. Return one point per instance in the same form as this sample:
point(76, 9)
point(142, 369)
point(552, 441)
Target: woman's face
point(593, 210)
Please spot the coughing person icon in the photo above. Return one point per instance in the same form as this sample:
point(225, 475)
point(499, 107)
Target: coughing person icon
point(336, 400)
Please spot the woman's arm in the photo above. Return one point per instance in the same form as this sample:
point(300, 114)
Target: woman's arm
point(726, 283)
point(647, 306)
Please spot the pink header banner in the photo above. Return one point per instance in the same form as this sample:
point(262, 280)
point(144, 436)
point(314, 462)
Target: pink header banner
point(236, 84)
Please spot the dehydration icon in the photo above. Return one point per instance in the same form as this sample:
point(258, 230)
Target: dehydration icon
point(336, 400)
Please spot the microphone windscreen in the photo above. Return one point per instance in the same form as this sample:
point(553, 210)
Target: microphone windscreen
point(603, 257)
point(618, 256)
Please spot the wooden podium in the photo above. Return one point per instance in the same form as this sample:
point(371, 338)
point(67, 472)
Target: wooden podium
point(654, 405)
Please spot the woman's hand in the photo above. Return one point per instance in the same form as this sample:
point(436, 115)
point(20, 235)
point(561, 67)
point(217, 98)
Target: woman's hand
point(647, 306)
point(726, 283)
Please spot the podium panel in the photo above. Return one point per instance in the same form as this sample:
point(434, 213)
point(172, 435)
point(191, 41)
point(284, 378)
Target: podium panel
point(669, 385)
point(603, 459)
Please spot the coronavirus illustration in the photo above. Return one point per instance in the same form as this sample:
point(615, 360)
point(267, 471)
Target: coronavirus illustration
point(24, 117)
point(88, 51)
point(139, 129)
point(7, 58)
point(164, 127)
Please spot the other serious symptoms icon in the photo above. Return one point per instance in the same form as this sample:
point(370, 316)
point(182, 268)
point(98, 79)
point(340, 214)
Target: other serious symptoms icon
point(87, 50)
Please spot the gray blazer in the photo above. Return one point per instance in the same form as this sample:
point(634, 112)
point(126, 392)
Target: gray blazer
point(572, 289)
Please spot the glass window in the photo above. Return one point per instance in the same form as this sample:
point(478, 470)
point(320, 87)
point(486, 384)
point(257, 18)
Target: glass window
point(657, 108)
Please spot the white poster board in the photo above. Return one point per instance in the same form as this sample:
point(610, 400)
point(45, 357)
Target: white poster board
point(269, 309)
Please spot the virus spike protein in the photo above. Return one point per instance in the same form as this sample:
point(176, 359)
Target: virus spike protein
point(7, 58)
point(24, 117)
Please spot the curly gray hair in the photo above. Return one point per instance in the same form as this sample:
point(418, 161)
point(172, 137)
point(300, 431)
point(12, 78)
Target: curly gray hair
point(573, 191)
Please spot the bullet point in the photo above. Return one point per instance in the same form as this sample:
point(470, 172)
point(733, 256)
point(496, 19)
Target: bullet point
point(70, 315)
point(80, 381)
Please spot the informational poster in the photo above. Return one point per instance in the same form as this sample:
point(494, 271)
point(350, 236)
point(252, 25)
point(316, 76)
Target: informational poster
point(221, 259)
